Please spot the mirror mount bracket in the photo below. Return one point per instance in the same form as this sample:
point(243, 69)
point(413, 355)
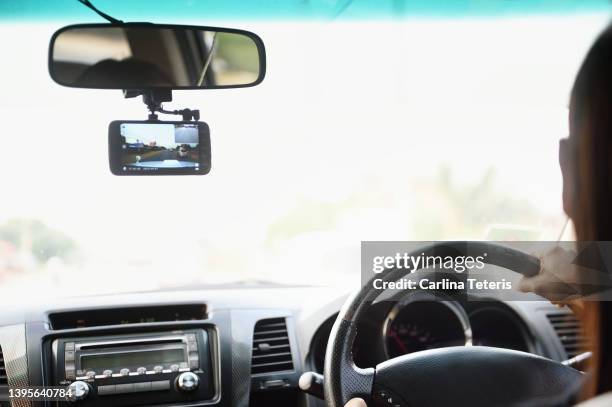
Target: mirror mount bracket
point(154, 98)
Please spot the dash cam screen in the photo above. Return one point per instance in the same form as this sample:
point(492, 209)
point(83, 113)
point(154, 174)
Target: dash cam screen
point(155, 146)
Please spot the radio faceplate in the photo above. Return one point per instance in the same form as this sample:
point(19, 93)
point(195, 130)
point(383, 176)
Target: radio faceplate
point(148, 368)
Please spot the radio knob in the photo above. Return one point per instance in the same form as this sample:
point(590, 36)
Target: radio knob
point(124, 372)
point(141, 370)
point(78, 391)
point(108, 373)
point(187, 382)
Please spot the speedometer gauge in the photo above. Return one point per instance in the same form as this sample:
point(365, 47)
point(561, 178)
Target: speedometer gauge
point(420, 325)
point(407, 337)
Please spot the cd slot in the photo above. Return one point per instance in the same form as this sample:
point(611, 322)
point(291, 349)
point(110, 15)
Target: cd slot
point(122, 344)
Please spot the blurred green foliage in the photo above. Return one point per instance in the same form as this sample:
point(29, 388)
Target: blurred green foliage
point(35, 236)
point(437, 208)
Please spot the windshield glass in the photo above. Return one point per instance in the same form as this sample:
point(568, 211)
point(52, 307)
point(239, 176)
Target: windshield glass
point(396, 127)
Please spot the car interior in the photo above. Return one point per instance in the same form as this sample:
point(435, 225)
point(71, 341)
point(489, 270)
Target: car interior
point(137, 268)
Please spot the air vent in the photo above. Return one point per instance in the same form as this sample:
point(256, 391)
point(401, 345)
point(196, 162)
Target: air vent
point(569, 331)
point(3, 378)
point(271, 347)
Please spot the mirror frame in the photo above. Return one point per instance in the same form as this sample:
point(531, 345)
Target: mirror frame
point(261, 50)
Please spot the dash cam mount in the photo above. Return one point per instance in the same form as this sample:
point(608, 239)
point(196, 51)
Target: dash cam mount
point(154, 98)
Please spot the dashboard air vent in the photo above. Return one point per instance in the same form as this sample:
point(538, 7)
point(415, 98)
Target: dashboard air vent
point(3, 378)
point(271, 347)
point(569, 331)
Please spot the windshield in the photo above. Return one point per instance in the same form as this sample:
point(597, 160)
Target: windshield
point(396, 127)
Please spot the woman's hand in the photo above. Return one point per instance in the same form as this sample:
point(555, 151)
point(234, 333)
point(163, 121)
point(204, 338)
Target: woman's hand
point(356, 403)
point(562, 281)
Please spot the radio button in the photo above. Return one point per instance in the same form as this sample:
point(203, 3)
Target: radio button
point(194, 363)
point(107, 373)
point(141, 370)
point(70, 375)
point(124, 372)
point(70, 370)
point(142, 386)
point(187, 382)
point(160, 385)
point(158, 369)
point(69, 356)
point(78, 390)
point(124, 388)
point(174, 368)
point(90, 374)
point(106, 390)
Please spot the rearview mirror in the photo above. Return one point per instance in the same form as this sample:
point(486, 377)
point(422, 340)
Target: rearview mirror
point(143, 56)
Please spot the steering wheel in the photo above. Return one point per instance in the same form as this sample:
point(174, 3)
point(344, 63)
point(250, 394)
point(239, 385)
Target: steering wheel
point(453, 376)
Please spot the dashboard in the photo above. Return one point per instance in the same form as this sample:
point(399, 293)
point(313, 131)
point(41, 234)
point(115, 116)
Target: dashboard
point(420, 322)
point(241, 346)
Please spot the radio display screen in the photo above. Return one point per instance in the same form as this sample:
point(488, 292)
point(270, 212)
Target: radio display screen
point(132, 359)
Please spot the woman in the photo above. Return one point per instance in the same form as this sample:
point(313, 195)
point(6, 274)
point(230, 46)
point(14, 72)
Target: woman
point(586, 165)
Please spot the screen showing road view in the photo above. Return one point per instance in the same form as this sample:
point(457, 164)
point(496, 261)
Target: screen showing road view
point(154, 146)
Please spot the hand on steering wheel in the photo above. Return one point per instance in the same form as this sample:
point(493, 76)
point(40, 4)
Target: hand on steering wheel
point(562, 280)
point(357, 402)
point(461, 375)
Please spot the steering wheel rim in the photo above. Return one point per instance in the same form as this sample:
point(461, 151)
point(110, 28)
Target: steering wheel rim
point(344, 380)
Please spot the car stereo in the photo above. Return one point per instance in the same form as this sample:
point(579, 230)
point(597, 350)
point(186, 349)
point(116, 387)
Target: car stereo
point(150, 368)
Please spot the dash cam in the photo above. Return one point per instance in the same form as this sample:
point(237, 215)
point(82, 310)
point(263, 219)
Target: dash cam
point(159, 148)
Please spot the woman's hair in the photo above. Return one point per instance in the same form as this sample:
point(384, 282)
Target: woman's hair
point(591, 140)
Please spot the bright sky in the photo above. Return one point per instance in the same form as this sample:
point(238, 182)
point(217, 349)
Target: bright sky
point(162, 134)
point(346, 109)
